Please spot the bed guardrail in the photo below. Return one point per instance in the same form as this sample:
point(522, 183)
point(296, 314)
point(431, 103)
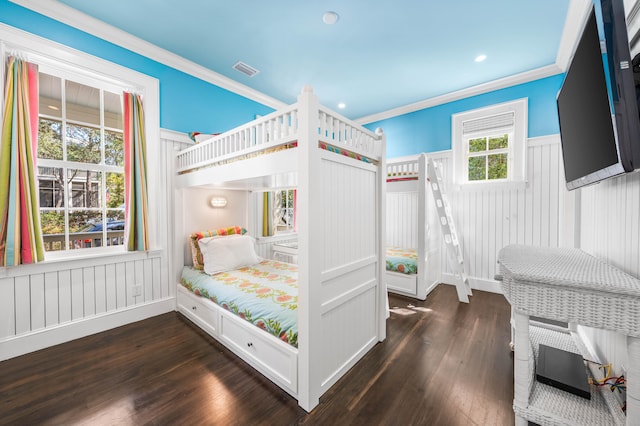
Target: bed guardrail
point(278, 129)
point(346, 134)
point(266, 132)
point(406, 169)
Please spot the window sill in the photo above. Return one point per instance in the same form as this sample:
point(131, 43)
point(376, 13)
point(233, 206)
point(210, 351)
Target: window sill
point(491, 186)
point(78, 261)
point(278, 237)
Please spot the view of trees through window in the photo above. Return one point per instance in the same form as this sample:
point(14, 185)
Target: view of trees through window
point(80, 165)
point(487, 157)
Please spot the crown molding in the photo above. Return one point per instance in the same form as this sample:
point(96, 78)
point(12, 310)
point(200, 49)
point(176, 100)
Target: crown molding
point(83, 22)
point(576, 17)
point(175, 136)
point(491, 86)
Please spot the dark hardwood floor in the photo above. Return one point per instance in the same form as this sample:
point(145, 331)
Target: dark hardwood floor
point(447, 364)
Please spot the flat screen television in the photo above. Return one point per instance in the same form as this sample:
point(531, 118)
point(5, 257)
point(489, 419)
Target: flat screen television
point(597, 103)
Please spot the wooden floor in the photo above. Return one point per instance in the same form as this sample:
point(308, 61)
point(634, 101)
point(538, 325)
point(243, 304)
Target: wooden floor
point(447, 364)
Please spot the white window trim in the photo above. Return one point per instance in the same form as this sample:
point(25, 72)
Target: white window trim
point(51, 54)
point(517, 152)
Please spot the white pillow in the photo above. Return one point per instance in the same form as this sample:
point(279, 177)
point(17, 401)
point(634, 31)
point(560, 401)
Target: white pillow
point(226, 253)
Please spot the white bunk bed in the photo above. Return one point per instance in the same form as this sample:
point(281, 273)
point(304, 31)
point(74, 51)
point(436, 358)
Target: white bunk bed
point(410, 227)
point(338, 168)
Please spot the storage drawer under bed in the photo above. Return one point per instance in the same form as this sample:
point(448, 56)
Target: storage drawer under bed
point(274, 358)
point(401, 283)
point(198, 310)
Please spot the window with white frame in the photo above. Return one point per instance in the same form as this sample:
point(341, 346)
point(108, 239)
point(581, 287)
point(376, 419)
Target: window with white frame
point(80, 165)
point(80, 161)
point(489, 144)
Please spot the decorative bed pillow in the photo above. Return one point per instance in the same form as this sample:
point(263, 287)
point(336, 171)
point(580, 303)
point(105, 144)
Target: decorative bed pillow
point(225, 254)
point(196, 255)
point(198, 137)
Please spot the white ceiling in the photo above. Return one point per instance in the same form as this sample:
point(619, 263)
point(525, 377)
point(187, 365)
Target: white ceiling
point(379, 56)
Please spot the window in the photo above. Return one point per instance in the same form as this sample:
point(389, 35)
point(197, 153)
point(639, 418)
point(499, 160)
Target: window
point(80, 157)
point(489, 144)
point(277, 212)
point(80, 161)
point(285, 205)
point(487, 157)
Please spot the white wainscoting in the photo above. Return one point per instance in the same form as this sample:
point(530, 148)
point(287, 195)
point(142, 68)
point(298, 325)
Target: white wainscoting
point(53, 302)
point(348, 281)
point(402, 218)
point(489, 217)
point(264, 245)
point(36, 299)
point(610, 230)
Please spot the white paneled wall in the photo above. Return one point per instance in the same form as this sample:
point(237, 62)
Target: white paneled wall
point(610, 230)
point(54, 295)
point(346, 277)
point(57, 301)
point(402, 218)
point(263, 245)
point(490, 217)
point(198, 215)
point(355, 198)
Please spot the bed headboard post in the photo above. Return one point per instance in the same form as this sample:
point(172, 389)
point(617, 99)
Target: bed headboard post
point(382, 234)
point(310, 246)
point(423, 187)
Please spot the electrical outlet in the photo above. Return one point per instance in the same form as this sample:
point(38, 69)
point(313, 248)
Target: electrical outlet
point(137, 290)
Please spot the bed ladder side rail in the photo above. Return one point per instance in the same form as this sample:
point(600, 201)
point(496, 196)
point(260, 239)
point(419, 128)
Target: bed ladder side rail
point(449, 233)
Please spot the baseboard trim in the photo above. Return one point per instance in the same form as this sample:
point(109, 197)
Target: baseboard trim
point(482, 284)
point(44, 338)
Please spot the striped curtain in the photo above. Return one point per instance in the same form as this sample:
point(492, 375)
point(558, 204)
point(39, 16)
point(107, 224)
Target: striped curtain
point(267, 210)
point(135, 174)
point(20, 234)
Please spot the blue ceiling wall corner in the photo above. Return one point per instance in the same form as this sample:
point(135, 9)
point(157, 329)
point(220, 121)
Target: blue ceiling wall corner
point(186, 102)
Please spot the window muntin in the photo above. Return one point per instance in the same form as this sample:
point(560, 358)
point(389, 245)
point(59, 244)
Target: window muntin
point(80, 159)
point(488, 157)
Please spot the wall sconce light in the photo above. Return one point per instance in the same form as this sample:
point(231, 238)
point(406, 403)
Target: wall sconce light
point(218, 202)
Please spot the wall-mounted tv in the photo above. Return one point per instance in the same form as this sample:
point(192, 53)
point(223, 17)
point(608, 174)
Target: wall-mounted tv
point(597, 103)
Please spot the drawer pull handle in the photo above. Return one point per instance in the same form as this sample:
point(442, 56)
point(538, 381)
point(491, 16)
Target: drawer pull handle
point(194, 307)
point(249, 344)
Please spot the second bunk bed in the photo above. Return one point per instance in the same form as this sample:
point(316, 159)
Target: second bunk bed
point(413, 252)
point(339, 306)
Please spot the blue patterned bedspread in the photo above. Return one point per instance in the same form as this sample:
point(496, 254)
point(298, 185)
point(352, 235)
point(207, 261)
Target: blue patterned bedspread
point(265, 294)
point(402, 260)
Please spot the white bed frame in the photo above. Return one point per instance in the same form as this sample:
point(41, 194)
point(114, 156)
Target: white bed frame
point(409, 225)
point(340, 214)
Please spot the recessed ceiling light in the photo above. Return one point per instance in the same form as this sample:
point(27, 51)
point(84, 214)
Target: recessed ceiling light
point(481, 58)
point(330, 18)
point(342, 105)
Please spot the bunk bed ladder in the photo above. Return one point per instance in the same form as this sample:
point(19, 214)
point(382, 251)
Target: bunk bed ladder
point(449, 234)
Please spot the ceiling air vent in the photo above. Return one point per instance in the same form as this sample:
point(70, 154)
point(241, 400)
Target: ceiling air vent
point(245, 69)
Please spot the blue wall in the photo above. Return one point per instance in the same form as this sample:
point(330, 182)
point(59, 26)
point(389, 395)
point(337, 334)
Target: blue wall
point(429, 130)
point(186, 103)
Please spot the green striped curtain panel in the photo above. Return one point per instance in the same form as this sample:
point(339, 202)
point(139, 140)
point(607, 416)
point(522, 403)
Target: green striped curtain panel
point(267, 208)
point(20, 235)
point(135, 171)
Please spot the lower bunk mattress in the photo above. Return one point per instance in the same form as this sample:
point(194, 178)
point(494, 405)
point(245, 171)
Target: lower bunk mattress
point(264, 294)
point(403, 260)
